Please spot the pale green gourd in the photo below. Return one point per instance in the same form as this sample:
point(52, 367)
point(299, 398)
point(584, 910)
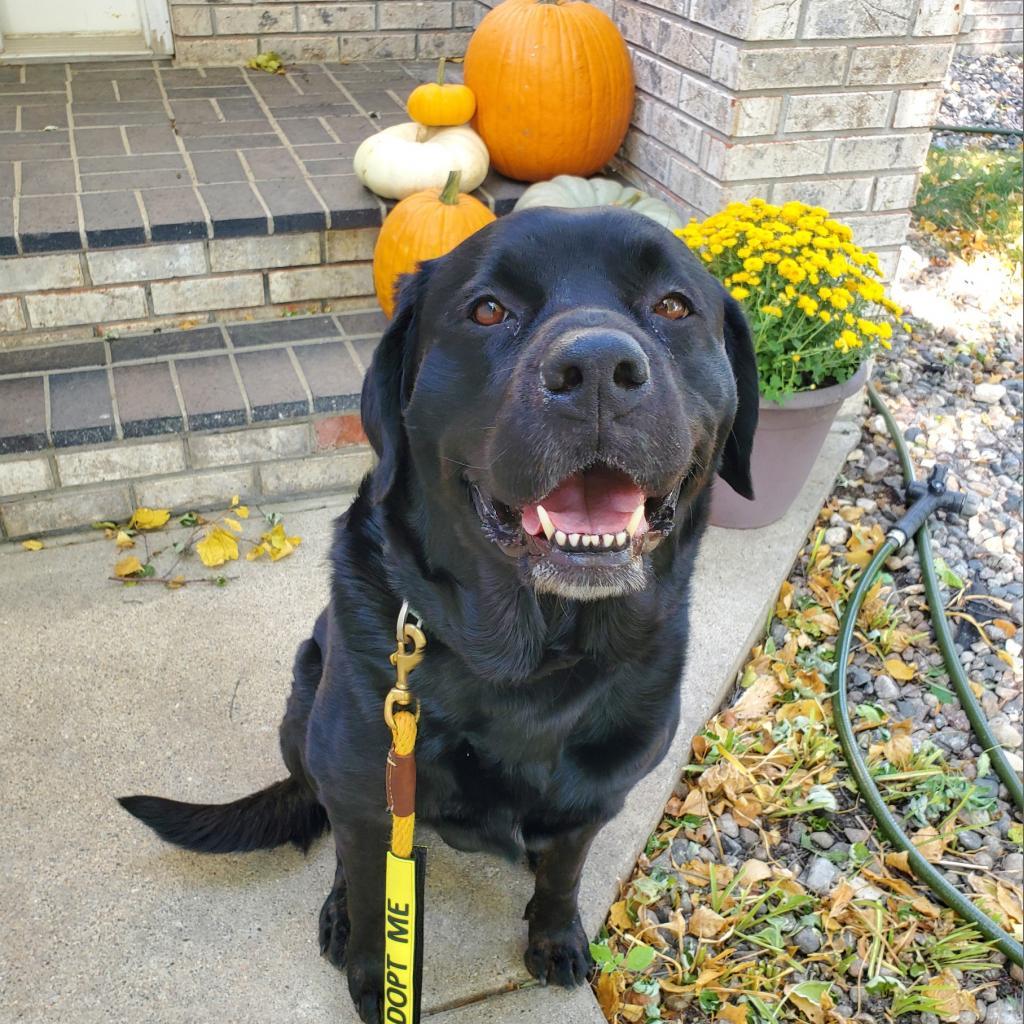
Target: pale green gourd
point(570, 192)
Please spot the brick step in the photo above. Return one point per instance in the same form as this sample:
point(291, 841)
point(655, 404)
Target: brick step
point(90, 430)
point(134, 194)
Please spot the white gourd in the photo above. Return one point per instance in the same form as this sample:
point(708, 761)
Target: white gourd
point(406, 158)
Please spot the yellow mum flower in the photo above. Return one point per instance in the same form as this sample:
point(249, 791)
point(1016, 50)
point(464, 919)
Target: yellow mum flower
point(771, 310)
point(792, 271)
point(740, 293)
point(753, 264)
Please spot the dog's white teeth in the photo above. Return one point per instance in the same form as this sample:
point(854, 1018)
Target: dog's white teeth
point(635, 519)
point(621, 538)
point(586, 539)
point(608, 539)
point(574, 540)
point(560, 538)
point(545, 522)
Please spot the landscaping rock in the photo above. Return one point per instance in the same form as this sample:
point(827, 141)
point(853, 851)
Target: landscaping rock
point(820, 875)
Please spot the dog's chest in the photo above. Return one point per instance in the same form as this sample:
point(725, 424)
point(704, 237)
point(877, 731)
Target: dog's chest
point(493, 770)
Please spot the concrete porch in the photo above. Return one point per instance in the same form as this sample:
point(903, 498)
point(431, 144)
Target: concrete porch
point(115, 690)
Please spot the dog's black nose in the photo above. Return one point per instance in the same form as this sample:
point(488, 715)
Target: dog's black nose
point(602, 369)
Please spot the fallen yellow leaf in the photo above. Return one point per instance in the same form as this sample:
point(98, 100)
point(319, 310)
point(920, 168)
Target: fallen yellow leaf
point(930, 844)
point(149, 518)
point(217, 547)
point(124, 540)
point(732, 1014)
point(1007, 627)
point(752, 871)
point(706, 923)
point(32, 545)
point(234, 524)
point(949, 995)
point(809, 1009)
point(757, 699)
point(176, 583)
point(278, 545)
point(899, 860)
point(897, 750)
point(608, 993)
point(242, 511)
point(618, 917)
point(745, 809)
point(127, 566)
point(696, 803)
point(899, 669)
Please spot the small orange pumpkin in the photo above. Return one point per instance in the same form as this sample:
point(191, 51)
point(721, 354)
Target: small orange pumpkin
point(554, 87)
point(423, 226)
point(440, 104)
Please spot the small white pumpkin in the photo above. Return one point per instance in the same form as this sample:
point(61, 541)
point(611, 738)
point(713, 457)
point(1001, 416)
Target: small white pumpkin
point(410, 157)
point(571, 192)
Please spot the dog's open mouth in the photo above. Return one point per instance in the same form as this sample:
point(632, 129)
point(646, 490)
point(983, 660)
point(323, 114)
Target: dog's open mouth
point(599, 516)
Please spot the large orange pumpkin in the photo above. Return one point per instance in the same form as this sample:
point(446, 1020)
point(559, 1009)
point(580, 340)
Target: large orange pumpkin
point(554, 87)
point(423, 226)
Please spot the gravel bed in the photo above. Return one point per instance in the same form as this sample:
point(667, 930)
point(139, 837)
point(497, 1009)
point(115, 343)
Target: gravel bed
point(955, 389)
point(983, 89)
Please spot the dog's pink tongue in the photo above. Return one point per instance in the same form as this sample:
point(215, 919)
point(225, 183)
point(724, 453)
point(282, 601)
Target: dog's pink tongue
point(597, 501)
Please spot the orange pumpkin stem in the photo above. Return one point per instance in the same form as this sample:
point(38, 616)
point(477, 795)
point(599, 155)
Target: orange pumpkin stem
point(450, 193)
point(440, 70)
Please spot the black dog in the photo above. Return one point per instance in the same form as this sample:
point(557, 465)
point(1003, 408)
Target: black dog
point(549, 405)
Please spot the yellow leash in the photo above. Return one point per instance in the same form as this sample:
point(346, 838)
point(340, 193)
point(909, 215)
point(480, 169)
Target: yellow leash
point(406, 866)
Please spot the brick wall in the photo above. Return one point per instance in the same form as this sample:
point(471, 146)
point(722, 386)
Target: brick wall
point(993, 26)
point(68, 295)
point(818, 101)
point(221, 32)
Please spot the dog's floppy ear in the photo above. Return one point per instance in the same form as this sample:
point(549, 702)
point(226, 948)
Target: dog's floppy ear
point(388, 385)
point(735, 466)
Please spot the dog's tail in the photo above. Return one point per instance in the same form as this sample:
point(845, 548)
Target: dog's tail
point(285, 812)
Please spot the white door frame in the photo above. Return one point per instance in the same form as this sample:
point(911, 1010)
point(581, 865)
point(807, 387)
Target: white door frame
point(156, 26)
point(155, 16)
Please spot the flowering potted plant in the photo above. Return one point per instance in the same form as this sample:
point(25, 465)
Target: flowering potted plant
point(817, 312)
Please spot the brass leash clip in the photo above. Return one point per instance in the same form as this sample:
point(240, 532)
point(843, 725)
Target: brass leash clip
point(405, 659)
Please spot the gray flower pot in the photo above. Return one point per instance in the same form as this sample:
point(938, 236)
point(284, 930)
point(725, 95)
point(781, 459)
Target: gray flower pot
point(786, 443)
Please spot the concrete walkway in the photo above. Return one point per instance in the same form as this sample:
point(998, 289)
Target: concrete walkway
point(109, 691)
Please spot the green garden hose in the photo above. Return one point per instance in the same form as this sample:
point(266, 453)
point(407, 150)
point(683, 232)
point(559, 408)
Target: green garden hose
point(975, 129)
point(915, 522)
point(955, 670)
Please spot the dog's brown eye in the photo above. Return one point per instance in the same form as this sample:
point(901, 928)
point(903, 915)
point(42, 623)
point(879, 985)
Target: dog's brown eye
point(488, 313)
point(672, 307)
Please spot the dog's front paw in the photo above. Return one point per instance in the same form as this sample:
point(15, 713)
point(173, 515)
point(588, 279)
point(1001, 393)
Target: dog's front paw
point(560, 956)
point(334, 928)
point(366, 986)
